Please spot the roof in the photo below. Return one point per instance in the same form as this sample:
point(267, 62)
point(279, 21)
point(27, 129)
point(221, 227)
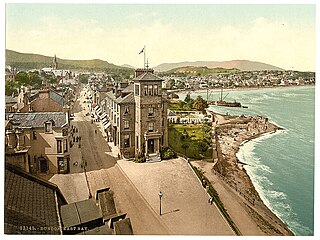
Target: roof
point(84, 213)
point(10, 99)
point(128, 89)
point(37, 119)
point(107, 205)
point(123, 227)
point(30, 201)
point(127, 99)
point(56, 97)
point(147, 76)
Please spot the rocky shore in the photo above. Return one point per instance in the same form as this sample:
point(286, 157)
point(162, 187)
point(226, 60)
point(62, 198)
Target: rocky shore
point(229, 133)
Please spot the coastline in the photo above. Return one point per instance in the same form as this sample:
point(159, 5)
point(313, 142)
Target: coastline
point(183, 91)
point(230, 135)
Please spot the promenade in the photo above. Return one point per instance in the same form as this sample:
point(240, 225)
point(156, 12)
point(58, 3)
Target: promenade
point(185, 207)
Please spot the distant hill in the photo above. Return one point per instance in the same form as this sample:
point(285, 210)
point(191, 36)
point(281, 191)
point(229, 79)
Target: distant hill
point(198, 71)
point(243, 65)
point(25, 61)
point(128, 66)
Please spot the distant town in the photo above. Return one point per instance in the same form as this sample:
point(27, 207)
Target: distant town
point(98, 152)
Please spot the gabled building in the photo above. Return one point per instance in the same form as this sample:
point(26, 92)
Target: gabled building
point(46, 100)
point(38, 142)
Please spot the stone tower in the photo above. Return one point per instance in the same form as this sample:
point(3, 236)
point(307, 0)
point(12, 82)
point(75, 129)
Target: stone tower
point(151, 115)
point(54, 63)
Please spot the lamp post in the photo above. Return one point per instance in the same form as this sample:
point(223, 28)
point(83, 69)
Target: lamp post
point(160, 196)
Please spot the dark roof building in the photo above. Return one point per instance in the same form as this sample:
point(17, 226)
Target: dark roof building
point(31, 205)
point(37, 119)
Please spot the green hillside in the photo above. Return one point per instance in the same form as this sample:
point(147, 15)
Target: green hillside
point(26, 61)
point(199, 71)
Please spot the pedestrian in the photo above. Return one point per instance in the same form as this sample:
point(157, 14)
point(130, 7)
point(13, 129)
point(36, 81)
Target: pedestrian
point(211, 201)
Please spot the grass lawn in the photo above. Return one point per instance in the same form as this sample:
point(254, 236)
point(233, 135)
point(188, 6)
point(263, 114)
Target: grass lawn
point(188, 140)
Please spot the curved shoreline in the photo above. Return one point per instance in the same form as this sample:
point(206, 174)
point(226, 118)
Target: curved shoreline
point(232, 134)
point(184, 91)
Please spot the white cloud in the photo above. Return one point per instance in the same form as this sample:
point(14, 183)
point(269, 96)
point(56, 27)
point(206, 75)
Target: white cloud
point(275, 43)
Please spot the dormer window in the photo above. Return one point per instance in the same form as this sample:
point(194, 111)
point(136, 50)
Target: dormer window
point(48, 127)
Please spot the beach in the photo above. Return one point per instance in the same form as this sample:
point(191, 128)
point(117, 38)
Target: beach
point(228, 175)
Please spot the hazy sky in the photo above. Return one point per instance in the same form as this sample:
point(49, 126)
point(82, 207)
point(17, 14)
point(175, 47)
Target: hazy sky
point(281, 35)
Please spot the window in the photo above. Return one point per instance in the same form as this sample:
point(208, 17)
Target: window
point(145, 90)
point(59, 146)
point(65, 145)
point(126, 124)
point(150, 90)
point(150, 126)
point(48, 127)
point(34, 135)
point(162, 122)
point(126, 141)
point(137, 143)
point(151, 111)
point(155, 90)
point(137, 89)
point(126, 109)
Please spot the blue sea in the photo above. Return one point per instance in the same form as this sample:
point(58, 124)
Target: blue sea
point(280, 165)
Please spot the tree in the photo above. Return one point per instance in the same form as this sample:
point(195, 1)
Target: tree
point(185, 146)
point(203, 146)
point(200, 104)
point(189, 101)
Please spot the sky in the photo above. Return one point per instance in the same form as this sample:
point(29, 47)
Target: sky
point(280, 35)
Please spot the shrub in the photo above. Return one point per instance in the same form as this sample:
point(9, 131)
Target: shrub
point(167, 153)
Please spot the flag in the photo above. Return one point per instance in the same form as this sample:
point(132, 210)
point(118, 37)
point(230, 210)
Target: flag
point(141, 50)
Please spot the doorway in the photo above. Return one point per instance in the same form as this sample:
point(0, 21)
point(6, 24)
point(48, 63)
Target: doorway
point(150, 145)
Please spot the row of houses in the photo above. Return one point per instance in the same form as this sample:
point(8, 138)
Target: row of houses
point(37, 131)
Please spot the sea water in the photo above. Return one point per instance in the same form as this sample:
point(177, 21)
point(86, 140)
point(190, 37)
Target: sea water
point(280, 165)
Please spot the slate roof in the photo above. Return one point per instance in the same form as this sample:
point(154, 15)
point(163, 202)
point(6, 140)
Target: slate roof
point(128, 89)
point(147, 76)
point(37, 119)
point(127, 99)
point(56, 97)
point(31, 202)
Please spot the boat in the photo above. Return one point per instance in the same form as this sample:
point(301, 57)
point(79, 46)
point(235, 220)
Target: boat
point(223, 103)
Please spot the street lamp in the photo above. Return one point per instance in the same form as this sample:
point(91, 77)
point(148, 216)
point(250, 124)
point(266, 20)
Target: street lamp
point(160, 196)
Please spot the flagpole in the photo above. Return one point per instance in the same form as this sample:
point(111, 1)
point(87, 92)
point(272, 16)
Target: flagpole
point(144, 56)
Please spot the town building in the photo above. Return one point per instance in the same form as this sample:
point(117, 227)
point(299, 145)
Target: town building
point(137, 116)
point(35, 206)
point(38, 142)
point(46, 100)
point(31, 205)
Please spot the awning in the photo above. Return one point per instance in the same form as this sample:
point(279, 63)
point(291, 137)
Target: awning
point(104, 121)
point(94, 105)
point(103, 115)
point(98, 111)
point(107, 125)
